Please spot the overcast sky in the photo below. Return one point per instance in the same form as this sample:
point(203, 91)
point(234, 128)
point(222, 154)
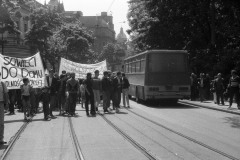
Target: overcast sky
point(118, 9)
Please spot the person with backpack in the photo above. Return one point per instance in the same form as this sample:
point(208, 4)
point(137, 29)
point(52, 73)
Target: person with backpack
point(72, 92)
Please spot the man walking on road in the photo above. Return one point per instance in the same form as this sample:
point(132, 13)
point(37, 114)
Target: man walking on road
point(97, 87)
point(72, 92)
point(3, 100)
point(52, 83)
point(117, 85)
point(125, 86)
point(89, 95)
point(106, 88)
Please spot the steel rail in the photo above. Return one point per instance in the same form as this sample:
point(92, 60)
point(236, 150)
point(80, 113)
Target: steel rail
point(14, 139)
point(185, 136)
point(77, 147)
point(129, 139)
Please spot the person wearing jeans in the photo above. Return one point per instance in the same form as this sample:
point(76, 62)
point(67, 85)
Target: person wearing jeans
point(125, 88)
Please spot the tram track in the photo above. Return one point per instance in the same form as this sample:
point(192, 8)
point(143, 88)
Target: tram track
point(14, 139)
point(184, 136)
point(76, 144)
point(143, 150)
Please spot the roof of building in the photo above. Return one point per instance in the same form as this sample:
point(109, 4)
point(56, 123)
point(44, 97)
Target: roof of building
point(121, 36)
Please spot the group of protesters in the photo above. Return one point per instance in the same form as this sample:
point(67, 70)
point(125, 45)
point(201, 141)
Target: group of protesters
point(218, 89)
point(63, 92)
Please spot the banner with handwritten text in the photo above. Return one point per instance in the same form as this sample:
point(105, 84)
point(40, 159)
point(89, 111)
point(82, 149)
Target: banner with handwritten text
point(15, 69)
point(81, 69)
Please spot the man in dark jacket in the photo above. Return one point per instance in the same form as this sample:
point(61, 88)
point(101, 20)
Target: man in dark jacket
point(72, 92)
point(106, 89)
point(117, 89)
point(89, 95)
point(219, 88)
point(125, 88)
point(53, 85)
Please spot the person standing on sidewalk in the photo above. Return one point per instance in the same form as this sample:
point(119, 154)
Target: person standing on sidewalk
point(125, 88)
point(234, 88)
point(4, 99)
point(194, 87)
point(89, 95)
point(106, 88)
point(97, 87)
point(202, 87)
point(219, 88)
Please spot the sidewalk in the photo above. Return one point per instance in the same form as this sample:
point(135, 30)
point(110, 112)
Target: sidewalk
point(211, 105)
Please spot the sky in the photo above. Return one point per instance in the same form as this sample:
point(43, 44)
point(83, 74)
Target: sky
point(118, 9)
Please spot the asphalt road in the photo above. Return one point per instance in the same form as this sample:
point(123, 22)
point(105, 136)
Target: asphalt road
point(169, 137)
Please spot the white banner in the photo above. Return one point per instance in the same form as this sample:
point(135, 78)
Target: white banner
point(15, 69)
point(82, 69)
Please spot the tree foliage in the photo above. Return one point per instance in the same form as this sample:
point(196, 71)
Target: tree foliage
point(7, 10)
point(112, 53)
point(208, 29)
point(75, 41)
point(44, 23)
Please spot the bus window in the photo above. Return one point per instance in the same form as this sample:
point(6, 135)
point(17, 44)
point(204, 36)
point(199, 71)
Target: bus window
point(138, 66)
point(133, 67)
point(127, 68)
point(142, 65)
point(130, 67)
point(167, 63)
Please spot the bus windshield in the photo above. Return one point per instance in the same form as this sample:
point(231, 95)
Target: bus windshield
point(167, 63)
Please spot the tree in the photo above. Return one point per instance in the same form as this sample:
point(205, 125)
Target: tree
point(113, 53)
point(207, 29)
point(44, 23)
point(76, 41)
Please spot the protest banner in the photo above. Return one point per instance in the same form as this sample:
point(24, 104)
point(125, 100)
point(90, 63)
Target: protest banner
point(81, 69)
point(15, 69)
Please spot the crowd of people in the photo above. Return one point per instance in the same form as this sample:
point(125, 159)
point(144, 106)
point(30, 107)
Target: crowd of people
point(218, 89)
point(63, 92)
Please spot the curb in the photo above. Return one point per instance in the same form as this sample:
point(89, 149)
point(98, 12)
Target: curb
point(213, 108)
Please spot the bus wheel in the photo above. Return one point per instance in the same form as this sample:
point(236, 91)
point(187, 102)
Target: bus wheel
point(137, 100)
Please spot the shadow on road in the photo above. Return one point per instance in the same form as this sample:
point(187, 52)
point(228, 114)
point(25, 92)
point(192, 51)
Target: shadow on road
point(234, 121)
point(13, 121)
point(3, 147)
point(168, 105)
